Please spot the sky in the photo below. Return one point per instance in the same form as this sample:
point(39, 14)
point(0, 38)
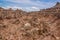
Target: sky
point(28, 5)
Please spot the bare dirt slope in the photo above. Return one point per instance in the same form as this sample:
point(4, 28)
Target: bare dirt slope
point(21, 25)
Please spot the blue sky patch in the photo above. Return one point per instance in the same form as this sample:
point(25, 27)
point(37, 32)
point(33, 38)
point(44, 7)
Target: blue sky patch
point(28, 5)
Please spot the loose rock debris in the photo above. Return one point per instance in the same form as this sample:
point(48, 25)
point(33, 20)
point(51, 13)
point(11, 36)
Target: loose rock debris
point(21, 25)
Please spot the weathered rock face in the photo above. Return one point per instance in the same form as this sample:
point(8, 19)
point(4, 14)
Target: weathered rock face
point(21, 25)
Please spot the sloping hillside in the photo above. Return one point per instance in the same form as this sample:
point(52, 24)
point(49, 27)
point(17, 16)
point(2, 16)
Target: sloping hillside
point(21, 25)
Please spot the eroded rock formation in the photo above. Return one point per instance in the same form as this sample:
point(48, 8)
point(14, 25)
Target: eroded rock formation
point(21, 25)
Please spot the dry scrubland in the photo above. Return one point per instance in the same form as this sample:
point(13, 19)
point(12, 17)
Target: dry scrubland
point(39, 25)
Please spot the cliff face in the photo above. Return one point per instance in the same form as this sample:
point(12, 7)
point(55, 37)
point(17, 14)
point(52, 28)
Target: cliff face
point(21, 25)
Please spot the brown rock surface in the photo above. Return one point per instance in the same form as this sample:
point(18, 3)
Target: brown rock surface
point(21, 25)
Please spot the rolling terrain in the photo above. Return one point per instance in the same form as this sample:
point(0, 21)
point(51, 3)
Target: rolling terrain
point(37, 25)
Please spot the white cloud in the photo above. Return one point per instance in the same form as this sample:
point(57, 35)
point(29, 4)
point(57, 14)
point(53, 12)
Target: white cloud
point(32, 8)
point(33, 5)
point(13, 7)
point(19, 1)
point(35, 8)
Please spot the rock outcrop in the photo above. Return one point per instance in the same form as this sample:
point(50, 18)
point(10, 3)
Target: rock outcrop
point(21, 25)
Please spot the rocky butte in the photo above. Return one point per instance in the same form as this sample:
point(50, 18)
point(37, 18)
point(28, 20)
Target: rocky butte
point(38, 25)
